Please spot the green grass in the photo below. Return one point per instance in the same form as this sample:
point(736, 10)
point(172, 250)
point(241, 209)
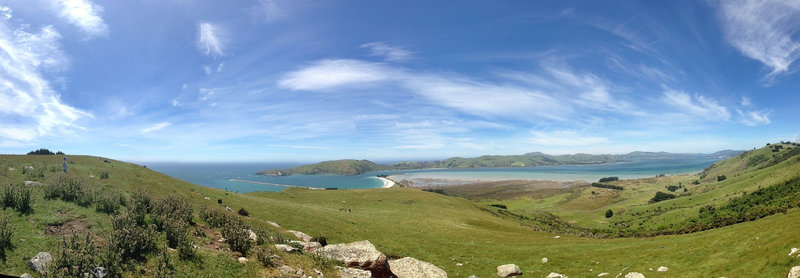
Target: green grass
point(447, 231)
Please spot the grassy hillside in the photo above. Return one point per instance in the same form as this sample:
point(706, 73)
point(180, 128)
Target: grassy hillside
point(462, 236)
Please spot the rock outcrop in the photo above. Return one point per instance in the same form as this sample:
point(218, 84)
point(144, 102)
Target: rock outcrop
point(346, 272)
point(300, 235)
point(544, 260)
point(39, 262)
point(794, 272)
point(508, 270)
point(286, 248)
point(794, 251)
point(634, 275)
point(32, 183)
point(252, 235)
point(359, 254)
point(556, 275)
point(662, 269)
point(409, 267)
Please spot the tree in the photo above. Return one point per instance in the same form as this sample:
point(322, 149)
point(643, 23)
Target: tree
point(609, 213)
point(41, 152)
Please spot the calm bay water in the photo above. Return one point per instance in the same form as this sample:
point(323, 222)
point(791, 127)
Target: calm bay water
point(241, 177)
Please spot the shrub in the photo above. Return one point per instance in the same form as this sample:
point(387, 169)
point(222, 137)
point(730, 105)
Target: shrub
point(243, 212)
point(76, 256)
point(23, 201)
point(216, 217)
point(607, 186)
point(609, 213)
point(661, 196)
point(499, 206)
point(186, 250)
point(8, 197)
point(6, 233)
point(264, 256)
point(171, 206)
point(324, 262)
point(165, 267)
point(140, 204)
point(608, 179)
point(721, 178)
point(176, 231)
point(131, 240)
point(321, 239)
point(672, 188)
point(68, 188)
point(108, 202)
point(41, 152)
point(237, 236)
point(104, 175)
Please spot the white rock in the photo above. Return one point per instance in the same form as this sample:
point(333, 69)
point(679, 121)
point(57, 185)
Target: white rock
point(634, 275)
point(206, 198)
point(32, 183)
point(602, 274)
point(794, 272)
point(228, 209)
point(286, 248)
point(794, 251)
point(252, 235)
point(346, 272)
point(409, 267)
point(242, 260)
point(556, 275)
point(544, 260)
point(300, 235)
point(39, 262)
point(274, 224)
point(26, 275)
point(662, 269)
point(507, 270)
point(360, 254)
point(557, 237)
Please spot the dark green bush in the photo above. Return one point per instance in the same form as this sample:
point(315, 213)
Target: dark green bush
point(672, 188)
point(499, 206)
point(661, 196)
point(131, 240)
point(76, 256)
point(321, 239)
point(609, 213)
point(264, 256)
point(721, 178)
point(607, 186)
point(165, 267)
point(9, 200)
point(176, 231)
point(41, 152)
point(23, 201)
point(608, 179)
point(104, 175)
point(236, 235)
point(216, 217)
point(243, 212)
point(108, 202)
point(171, 206)
point(6, 233)
point(69, 188)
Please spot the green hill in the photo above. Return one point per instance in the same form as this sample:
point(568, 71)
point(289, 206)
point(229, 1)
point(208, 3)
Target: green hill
point(462, 235)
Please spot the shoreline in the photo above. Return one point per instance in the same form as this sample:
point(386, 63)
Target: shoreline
point(387, 183)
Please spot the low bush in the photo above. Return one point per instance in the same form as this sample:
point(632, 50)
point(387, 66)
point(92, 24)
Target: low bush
point(176, 231)
point(721, 178)
point(499, 206)
point(607, 186)
point(264, 256)
point(18, 198)
point(75, 257)
point(6, 233)
point(108, 202)
point(8, 197)
point(164, 268)
point(321, 239)
point(104, 175)
point(171, 206)
point(609, 213)
point(608, 179)
point(216, 217)
point(130, 240)
point(237, 236)
point(672, 188)
point(661, 196)
point(69, 188)
point(243, 212)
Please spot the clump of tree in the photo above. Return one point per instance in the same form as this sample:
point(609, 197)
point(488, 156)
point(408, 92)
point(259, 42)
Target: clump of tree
point(609, 213)
point(751, 206)
point(661, 196)
point(609, 179)
point(607, 186)
point(721, 178)
point(673, 188)
point(41, 152)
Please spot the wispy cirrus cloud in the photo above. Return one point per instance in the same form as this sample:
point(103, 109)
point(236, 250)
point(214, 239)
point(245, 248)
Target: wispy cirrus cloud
point(156, 127)
point(30, 108)
point(764, 31)
point(326, 74)
point(754, 118)
point(210, 39)
point(84, 14)
point(697, 105)
point(388, 52)
point(565, 137)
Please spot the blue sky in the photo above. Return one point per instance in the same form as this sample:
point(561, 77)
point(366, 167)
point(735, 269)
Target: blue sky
point(295, 80)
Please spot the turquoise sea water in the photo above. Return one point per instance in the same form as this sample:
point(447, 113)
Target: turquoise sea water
point(241, 177)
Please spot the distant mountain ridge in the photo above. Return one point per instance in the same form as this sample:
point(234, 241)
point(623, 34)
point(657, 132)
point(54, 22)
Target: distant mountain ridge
point(357, 167)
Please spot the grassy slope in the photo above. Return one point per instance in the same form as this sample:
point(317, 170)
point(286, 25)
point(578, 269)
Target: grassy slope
point(445, 230)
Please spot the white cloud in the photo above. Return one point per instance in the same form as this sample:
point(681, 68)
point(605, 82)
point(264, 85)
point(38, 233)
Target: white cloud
point(207, 70)
point(84, 14)
point(388, 52)
point(175, 103)
point(272, 10)
point(328, 74)
point(565, 138)
point(210, 39)
point(700, 106)
point(754, 118)
point(746, 102)
point(156, 127)
point(5, 12)
point(764, 31)
point(30, 108)
point(219, 67)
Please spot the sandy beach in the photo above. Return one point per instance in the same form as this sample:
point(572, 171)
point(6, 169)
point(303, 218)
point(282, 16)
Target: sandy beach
point(387, 183)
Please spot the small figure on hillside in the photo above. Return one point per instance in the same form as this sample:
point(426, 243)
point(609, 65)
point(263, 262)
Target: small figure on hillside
point(64, 165)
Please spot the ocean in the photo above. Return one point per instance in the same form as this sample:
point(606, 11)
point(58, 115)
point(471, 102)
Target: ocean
point(241, 177)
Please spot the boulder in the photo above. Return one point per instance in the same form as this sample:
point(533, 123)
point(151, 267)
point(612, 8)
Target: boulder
point(32, 183)
point(40, 261)
point(99, 272)
point(286, 248)
point(228, 209)
point(794, 272)
point(274, 224)
point(556, 275)
point(409, 267)
point(242, 260)
point(300, 235)
point(602, 274)
point(794, 251)
point(544, 260)
point(507, 270)
point(25, 275)
point(252, 235)
point(346, 272)
point(359, 254)
point(311, 246)
point(662, 269)
point(634, 275)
